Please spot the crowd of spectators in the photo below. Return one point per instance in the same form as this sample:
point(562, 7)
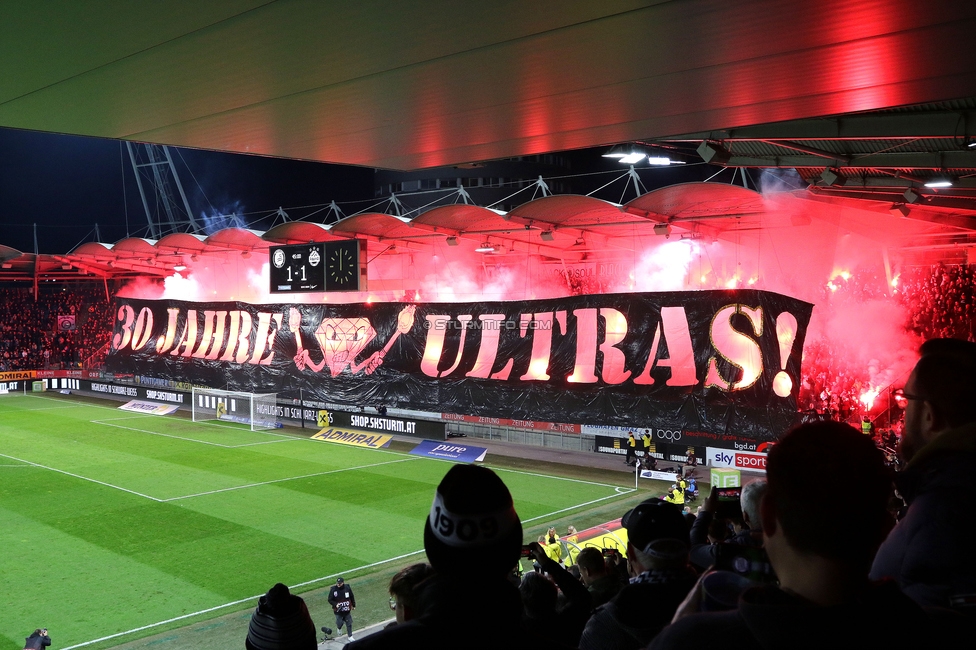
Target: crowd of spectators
point(804, 568)
point(936, 302)
point(939, 301)
point(30, 335)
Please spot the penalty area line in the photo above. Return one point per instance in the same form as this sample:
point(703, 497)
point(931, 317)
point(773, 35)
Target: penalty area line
point(289, 478)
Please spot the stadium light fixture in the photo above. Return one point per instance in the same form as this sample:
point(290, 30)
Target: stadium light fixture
point(616, 151)
point(939, 182)
point(486, 247)
point(632, 158)
point(663, 161)
point(662, 229)
point(546, 235)
point(900, 210)
point(714, 152)
point(832, 178)
point(452, 241)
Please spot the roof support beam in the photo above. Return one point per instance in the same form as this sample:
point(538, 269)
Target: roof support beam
point(885, 125)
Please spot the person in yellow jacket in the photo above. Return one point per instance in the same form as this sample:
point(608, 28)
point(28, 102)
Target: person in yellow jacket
point(631, 449)
point(569, 545)
point(677, 496)
point(554, 549)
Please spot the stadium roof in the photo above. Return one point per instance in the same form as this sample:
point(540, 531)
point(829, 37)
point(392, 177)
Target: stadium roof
point(868, 100)
point(413, 85)
point(567, 228)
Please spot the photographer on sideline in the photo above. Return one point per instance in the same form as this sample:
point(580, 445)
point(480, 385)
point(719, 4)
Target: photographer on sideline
point(343, 602)
point(37, 640)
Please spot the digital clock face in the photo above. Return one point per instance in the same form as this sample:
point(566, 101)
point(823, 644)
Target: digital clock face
point(342, 265)
point(297, 269)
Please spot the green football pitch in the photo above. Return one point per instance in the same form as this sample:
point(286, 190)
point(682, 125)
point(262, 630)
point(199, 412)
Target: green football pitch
point(114, 523)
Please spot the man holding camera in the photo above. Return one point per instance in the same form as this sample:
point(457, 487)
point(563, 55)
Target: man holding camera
point(38, 640)
point(343, 602)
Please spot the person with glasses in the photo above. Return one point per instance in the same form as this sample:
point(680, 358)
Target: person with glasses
point(930, 551)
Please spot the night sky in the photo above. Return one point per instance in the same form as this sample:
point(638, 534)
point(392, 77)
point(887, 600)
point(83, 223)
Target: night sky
point(67, 184)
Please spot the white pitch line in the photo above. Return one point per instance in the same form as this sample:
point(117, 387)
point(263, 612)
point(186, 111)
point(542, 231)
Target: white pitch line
point(300, 584)
point(49, 408)
point(108, 422)
point(559, 478)
point(289, 478)
point(83, 478)
point(238, 602)
point(157, 433)
point(581, 505)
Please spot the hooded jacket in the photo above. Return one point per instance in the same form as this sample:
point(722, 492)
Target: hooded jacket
point(769, 617)
point(930, 551)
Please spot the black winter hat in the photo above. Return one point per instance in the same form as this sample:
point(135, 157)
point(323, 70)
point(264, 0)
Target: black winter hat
point(652, 520)
point(280, 622)
point(472, 527)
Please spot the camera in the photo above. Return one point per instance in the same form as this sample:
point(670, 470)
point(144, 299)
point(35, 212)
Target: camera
point(526, 551)
point(610, 553)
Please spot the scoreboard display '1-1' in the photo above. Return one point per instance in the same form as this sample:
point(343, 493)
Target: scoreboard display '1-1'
point(296, 269)
point(320, 266)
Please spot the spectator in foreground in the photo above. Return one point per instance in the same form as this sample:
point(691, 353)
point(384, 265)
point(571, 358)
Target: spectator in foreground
point(821, 549)
point(930, 551)
point(404, 600)
point(280, 620)
point(657, 560)
point(473, 539)
point(603, 584)
point(540, 599)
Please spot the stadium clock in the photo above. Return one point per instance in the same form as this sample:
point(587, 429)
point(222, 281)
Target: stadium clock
point(344, 265)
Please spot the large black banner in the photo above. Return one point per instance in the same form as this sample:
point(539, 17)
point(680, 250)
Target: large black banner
point(712, 361)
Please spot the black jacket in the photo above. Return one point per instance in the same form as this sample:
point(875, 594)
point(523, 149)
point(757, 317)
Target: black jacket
point(635, 615)
point(930, 552)
point(37, 641)
point(464, 612)
point(342, 598)
point(769, 617)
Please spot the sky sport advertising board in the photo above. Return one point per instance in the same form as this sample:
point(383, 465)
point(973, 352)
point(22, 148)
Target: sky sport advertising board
point(706, 363)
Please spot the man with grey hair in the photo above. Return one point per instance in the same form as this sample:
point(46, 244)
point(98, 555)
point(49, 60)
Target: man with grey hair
point(704, 554)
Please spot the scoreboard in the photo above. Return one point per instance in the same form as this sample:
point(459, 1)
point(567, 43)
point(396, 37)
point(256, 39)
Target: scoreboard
point(318, 266)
